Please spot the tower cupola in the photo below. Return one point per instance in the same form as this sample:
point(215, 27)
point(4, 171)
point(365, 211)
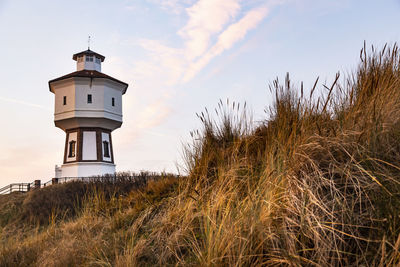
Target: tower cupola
point(88, 60)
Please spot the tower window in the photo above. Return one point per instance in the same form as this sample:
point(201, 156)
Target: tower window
point(64, 100)
point(106, 149)
point(89, 99)
point(113, 101)
point(80, 59)
point(97, 60)
point(89, 58)
point(71, 150)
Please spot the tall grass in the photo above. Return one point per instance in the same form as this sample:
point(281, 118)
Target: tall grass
point(315, 184)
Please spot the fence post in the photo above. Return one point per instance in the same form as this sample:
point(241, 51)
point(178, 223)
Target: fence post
point(28, 187)
point(54, 181)
point(37, 184)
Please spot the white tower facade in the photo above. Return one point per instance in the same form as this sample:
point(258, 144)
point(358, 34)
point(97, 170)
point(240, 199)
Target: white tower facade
point(88, 107)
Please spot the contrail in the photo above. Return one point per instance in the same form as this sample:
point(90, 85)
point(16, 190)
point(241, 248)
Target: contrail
point(11, 100)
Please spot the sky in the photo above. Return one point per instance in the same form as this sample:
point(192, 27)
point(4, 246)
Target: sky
point(178, 57)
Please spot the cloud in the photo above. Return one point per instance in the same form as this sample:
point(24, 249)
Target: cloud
point(234, 33)
point(206, 18)
point(212, 27)
point(173, 6)
point(153, 114)
point(165, 61)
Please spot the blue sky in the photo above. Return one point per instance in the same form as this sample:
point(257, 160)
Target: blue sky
point(178, 57)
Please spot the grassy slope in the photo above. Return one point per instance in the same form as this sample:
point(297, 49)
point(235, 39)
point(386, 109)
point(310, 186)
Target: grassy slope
point(317, 183)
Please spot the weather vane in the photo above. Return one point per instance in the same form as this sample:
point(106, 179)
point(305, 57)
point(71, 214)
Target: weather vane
point(88, 42)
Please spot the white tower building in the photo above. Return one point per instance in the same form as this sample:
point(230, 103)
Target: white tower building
point(88, 107)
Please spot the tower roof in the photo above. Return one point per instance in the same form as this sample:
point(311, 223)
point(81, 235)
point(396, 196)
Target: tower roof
point(88, 74)
point(88, 52)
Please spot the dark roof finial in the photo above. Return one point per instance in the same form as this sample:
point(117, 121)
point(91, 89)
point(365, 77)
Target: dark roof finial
point(88, 46)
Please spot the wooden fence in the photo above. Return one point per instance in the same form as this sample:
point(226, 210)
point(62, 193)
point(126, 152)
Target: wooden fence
point(25, 187)
point(16, 187)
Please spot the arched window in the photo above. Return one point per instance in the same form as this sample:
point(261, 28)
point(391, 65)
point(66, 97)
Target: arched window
point(71, 150)
point(106, 149)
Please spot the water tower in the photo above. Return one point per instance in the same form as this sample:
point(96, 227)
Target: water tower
point(88, 107)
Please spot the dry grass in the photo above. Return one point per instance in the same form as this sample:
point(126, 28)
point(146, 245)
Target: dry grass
point(315, 184)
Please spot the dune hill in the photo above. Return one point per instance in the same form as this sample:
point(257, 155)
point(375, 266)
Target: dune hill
point(317, 183)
